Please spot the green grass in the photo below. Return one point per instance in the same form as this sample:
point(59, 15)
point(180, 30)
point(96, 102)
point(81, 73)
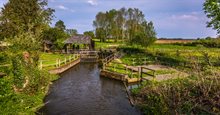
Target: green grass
point(50, 58)
point(119, 68)
point(106, 45)
point(179, 47)
point(185, 51)
point(171, 55)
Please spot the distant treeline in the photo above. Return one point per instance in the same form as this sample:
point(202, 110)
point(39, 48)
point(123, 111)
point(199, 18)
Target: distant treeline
point(207, 42)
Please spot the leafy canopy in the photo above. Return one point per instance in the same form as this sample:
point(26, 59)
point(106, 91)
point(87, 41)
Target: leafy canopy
point(212, 10)
point(60, 25)
point(127, 25)
point(20, 16)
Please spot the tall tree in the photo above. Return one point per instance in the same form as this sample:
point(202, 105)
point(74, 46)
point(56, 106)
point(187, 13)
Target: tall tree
point(125, 24)
point(212, 10)
point(19, 16)
point(53, 34)
point(71, 32)
point(101, 25)
point(89, 33)
point(60, 25)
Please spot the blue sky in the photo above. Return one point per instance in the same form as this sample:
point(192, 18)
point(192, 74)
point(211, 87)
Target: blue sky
point(171, 18)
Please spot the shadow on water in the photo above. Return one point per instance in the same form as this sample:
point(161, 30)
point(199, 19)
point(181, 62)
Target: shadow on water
point(80, 91)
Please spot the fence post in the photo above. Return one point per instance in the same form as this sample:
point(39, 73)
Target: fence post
point(139, 72)
point(126, 69)
point(103, 66)
point(65, 60)
point(132, 73)
point(141, 75)
point(41, 64)
point(59, 62)
point(154, 74)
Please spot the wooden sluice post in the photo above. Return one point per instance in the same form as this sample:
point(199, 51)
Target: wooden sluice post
point(141, 75)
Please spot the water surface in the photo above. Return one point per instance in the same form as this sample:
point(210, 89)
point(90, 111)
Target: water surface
point(80, 91)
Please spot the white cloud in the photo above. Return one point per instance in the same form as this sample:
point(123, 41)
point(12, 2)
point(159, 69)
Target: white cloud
point(62, 7)
point(185, 17)
point(92, 2)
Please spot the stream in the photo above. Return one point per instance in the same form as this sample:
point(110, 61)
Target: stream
point(81, 91)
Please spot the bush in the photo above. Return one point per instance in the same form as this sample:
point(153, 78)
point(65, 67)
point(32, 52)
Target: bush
point(23, 89)
point(131, 50)
point(211, 43)
point(198, 94)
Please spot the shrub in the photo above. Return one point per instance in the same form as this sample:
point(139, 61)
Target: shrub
point(198, 94)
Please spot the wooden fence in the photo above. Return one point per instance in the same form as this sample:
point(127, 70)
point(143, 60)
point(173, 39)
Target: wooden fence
point(59, 62)
point(110, 58)
point(139, 72)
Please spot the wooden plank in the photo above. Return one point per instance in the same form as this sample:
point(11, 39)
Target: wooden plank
point(147, 68)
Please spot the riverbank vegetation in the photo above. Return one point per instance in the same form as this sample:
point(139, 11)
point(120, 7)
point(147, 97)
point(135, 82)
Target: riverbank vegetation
point(195, 91)
point(23, 88)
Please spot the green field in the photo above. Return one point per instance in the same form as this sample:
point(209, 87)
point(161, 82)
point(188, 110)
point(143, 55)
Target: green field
point(171, 55)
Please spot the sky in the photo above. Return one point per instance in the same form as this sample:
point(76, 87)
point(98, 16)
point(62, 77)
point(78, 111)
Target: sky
point(171, 18)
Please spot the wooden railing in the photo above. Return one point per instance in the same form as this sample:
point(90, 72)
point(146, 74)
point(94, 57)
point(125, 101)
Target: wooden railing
point(59, 62)
point(151, 74)
point(131, 70)
point(88, 54)
point(108, 59)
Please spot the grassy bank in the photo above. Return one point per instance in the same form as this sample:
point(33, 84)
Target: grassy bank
point(198, 93)
point(51, 58)
point(50, 61)
point(27, 101)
